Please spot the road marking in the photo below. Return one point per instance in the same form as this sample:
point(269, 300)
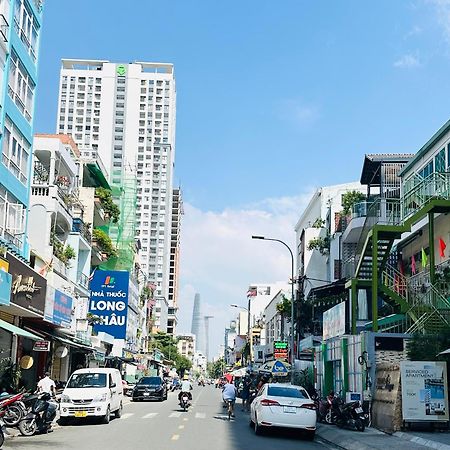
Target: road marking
point(181, 427)
point(175, 414)
point(175, 437)
point(127, 415)
point(185, 419)
point(149, 415)
point(200, 415)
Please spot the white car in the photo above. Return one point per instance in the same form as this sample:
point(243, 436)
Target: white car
point(283, 405)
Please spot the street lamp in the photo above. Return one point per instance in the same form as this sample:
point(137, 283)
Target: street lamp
point(249, 335)
point(292, 298)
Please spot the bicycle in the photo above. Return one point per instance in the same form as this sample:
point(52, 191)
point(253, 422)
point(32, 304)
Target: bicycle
point(230, 408)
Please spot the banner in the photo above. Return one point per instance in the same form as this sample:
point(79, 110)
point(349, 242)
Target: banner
point(109, 301)
point(334, 321)
point(424, 391)
point(5, 287)
point(62, 309)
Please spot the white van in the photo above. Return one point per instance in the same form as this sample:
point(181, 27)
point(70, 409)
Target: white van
point(92, 393)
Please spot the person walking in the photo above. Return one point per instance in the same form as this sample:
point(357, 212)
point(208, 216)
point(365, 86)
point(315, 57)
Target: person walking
point(245, 393)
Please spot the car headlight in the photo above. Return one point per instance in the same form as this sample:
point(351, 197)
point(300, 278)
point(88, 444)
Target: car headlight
point(65, 399)
point(101, 398)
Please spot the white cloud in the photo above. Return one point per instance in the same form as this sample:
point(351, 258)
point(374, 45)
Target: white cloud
point(414, 31)
point(219, 259)
point(299, 112)
point(407, 62)
point(442, 8)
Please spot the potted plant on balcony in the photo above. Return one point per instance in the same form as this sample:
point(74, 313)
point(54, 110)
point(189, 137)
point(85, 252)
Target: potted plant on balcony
point(104, 243)
point(349, 199)
point(108, 205)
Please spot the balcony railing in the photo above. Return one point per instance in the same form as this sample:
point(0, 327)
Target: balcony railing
point(4, 28)
point(78, 226)
point(83, 280)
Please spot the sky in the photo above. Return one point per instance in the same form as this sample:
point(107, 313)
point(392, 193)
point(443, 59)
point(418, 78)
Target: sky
point(274, 99)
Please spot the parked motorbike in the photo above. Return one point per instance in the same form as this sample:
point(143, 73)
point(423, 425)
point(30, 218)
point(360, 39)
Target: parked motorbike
point(41, 416)
point(348, 415)
point(2, 432)
point(184, 402)
point(11, 409)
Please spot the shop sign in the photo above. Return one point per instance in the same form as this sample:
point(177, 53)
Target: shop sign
point(280, 350)
point(424, 391)
point(28, 287)
point(62, 309)
point(334, 321)
point(109, 301)
point(5, 288)
point(41, 346)
point(99, 356)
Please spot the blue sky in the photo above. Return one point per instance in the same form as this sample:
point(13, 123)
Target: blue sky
point(274, 99)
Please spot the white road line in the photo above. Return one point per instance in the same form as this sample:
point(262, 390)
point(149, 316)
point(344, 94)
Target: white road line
point(175, 414)
point(175, 437)
point(200, 415)
point(180, 427)
point(149, 415)
point(127, 415)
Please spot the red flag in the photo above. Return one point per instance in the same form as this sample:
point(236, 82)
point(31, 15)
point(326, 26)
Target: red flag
point(442, 247)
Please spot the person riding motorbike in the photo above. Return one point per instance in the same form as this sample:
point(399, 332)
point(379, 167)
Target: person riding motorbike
point(186, 387)
point(229, 392)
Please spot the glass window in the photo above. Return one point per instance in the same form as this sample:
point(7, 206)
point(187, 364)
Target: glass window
point(26, 27)
point(439, 161)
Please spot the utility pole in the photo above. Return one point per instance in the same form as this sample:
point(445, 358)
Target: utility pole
point(206, 318)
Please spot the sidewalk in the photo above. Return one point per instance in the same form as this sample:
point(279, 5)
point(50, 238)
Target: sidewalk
point(372, 439)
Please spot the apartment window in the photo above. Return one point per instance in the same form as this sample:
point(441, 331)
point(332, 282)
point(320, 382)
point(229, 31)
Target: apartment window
point(20, 87)
point(12, 217)
point(16, 152)
point(439, 161)
point(26, 27)
point(427, 170)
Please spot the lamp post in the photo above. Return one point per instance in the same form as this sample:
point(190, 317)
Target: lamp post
point(249, 334)
point(292, 299)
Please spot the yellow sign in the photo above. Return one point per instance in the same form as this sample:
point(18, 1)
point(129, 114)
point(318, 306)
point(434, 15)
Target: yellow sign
point(4, 265)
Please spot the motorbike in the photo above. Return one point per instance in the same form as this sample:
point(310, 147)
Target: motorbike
point(12, 409)
point(325, 413)
point(184, 401)
point(40, 417)
point(348, 415)
point(2, 431)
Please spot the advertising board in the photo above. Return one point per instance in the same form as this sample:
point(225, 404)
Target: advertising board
point(109, 301)
point(280, 350)
point(334, 321)
point(424, 391)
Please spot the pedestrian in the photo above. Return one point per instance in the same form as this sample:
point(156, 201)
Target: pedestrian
point(47, 385)
point(245, 393)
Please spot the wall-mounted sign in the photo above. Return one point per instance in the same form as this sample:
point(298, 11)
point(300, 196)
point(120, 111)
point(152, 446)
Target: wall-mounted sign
point(109, 301)
point(5, 287)
point(41, 346)
point(334, 321)
point(28, 287)
point(280, 350)
point(424, 391)
point(121, 70)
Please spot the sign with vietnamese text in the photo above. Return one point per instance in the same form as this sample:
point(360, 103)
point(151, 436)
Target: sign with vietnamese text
point(280, 350)
point(334, 321)
point(62, 309)
point(424, 391)
point(109, 301)
point(41, 346)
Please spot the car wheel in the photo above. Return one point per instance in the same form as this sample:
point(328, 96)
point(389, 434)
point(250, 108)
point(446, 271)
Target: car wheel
point(310, 435)
point(107, 416)
point(118, 413)
point(258, 428)
point(63, 421)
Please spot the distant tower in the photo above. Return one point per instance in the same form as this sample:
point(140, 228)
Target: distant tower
point(197, 321)
point(206, 318)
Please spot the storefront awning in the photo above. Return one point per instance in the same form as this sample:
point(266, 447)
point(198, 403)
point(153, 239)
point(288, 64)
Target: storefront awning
point(18, 331)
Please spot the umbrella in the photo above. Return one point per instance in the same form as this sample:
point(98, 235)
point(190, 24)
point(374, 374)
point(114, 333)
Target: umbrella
point(228, 377)
point(277, 368)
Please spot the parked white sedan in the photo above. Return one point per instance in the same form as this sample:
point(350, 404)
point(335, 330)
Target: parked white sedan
point(283, 405)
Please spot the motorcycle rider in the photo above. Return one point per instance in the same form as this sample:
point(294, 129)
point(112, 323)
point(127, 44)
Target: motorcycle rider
point(229, 394)
point(186, 387)
point(46, 384)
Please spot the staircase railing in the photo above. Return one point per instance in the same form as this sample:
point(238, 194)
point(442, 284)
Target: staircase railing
point(395, 281)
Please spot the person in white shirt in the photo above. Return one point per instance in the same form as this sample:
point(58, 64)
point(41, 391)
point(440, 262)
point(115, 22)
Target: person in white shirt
point(46, 384)
point(186, 388)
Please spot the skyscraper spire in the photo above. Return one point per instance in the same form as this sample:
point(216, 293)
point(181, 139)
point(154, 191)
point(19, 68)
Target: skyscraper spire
point(197, 328)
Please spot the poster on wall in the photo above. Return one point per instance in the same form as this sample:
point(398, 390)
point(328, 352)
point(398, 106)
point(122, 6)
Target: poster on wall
point(334, 321)
point(109, 301)
point(424, 391)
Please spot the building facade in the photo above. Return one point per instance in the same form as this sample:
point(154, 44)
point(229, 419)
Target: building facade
point(126, 114)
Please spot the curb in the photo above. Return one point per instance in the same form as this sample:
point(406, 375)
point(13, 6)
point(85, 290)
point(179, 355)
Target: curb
point(345, 443)
point(421, 441)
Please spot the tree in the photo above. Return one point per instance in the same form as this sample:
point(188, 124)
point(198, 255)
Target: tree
point(182, 364)
point(349, 199)
point(215, 369)
point(423, 347)
point(284, 308)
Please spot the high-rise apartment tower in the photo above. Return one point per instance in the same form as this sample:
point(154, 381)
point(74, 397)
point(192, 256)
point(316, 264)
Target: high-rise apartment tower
point(126, 114)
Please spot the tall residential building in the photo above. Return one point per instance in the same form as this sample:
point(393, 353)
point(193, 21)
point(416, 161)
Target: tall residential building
point(20, 29)
point(177, 211)
point(125, 113)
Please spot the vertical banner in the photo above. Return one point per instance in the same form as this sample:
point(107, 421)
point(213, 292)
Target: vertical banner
point(109, 301)
point(424, 391)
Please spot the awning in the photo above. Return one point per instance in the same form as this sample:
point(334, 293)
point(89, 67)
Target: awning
point(72, 343)
point(18, 331)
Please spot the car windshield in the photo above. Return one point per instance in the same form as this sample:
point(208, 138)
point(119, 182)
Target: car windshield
point(150, 380)
point(279, 391)
point(87, 380)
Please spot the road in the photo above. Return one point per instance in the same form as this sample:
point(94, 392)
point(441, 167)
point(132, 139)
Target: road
point(163, 426)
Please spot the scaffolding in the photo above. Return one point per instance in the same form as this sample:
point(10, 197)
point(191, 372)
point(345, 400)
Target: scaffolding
point(122, 233)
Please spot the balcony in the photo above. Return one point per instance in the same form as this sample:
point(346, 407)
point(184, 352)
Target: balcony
point(78, 226)
point(83, 280)
point(4, 30)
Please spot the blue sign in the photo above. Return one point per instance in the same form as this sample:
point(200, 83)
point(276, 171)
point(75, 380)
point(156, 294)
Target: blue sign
point(62, 309)
point(109, 301)
point(5, 287)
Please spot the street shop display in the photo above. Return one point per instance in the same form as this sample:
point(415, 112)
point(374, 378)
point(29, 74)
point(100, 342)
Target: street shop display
point(424, 391)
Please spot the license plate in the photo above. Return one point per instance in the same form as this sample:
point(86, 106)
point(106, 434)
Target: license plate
point(80, 413)
point(290, 409)
point(359, 410)
point(146, 394)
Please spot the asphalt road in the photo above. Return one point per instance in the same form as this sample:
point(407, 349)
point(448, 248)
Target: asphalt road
point(163, 426)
